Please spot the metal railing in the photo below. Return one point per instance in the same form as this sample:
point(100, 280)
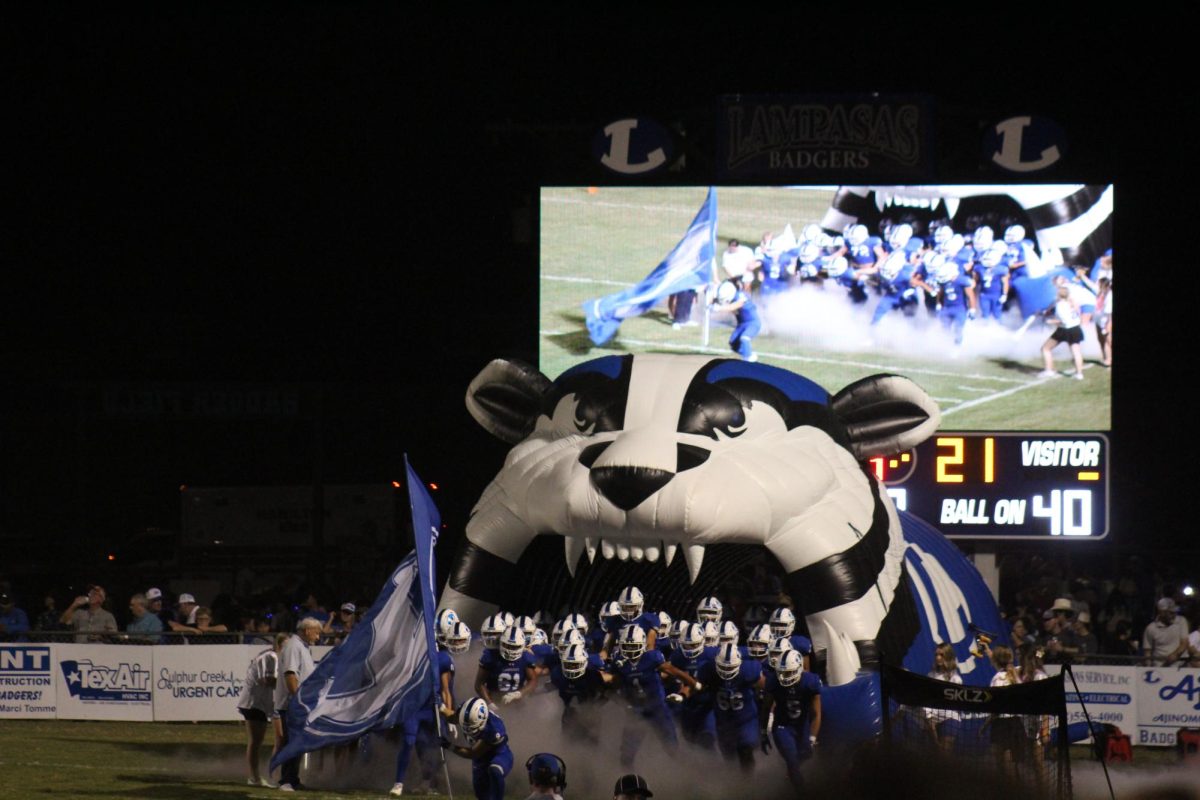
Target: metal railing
point(166, 637)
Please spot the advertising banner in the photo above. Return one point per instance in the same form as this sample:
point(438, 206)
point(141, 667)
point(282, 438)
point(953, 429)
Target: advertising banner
point(1110, 695)
point(1168, 699)
point(200, 682)
point(27, 688)
point(97, 681)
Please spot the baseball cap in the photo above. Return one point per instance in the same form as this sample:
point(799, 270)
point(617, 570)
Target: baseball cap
point(4, 599)
point(1167, 604)
point(349, 607)
point(153, 593)
point(632, 784)
point(186, 598)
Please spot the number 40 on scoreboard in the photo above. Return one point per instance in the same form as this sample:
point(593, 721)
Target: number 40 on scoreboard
point(1004, 485)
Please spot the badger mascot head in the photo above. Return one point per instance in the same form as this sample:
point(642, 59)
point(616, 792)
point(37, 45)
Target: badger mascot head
point(655, 460)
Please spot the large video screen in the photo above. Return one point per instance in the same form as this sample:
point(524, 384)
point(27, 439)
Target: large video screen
point(961, 288)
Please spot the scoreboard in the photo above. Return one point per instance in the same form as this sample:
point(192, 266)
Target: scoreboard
point(1004, 485)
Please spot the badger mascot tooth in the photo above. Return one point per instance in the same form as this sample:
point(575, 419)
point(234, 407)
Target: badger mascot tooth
point(656, 457)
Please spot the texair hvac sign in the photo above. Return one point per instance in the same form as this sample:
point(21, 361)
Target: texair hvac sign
point(27, 688)
point(815, 138)
point(104, 682)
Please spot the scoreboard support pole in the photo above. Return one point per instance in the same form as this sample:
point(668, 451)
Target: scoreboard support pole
point(985, 561)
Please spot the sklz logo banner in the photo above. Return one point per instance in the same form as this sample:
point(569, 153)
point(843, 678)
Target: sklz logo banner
point(967, 695)
point(91, 682)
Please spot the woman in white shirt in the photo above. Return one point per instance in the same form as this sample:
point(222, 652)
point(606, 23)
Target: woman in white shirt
point(1069, 330)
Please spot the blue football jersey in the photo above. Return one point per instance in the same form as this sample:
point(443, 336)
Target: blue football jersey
point(734, 697)
point(494, 734)
point(581, 689)
point(793, 704)
point(505, 676)
point(641, 684)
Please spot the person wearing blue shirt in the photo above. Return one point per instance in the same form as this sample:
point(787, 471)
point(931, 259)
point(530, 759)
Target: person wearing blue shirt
point(507, 674)
point(695, 708)
point(640, 675)
point(487, 748)
point(579, 678)
point(734, 682)
point(895, 283)
point(733, 299)
point(14, 623)
point(992, 279)
point(795, 696)
point(421, 730)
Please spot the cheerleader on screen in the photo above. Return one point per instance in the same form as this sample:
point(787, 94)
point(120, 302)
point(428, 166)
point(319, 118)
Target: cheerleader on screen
point(1069, 330)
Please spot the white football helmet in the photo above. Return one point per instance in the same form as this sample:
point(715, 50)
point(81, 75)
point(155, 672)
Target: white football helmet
point(899, 236)
point(778, 647)
point(945, 270)
point(444, 622)
point(809, 252)
point(664, 624)
point(790, 668)
point(560, 627)
point(758, 641)
point(579, 621)
point(812, 231)
point(691, 640)
point(893, 265)
point(729, 661)
point(632, 642)
point(539, 637)
point(954, 245)
point(527, 626)
point(943, 234)
point(677, 630)
point(1014, 234)
point(574, 662)
point(726, 292)
point(712, 634)
point(610, 609)
point(709, 608)
point(994, 255)
point(571, 636)
point(728, 633)
point(782, 622)
point(837, 267)
point(473, 715)
point(491, 631)
point(512, 643)
point(458, 638)
point(858, 235)
point(982, 239)
point(631, 602)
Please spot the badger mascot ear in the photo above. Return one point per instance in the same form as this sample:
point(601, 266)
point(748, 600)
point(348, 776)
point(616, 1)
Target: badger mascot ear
point(506, 398)
point(885, 415)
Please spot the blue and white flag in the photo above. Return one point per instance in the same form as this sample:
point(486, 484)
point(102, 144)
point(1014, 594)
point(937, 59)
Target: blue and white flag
point(688, 266)
point(1035, 295)
point(383, 673)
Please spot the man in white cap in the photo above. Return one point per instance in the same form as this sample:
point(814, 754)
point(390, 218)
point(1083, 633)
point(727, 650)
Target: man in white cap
point(187, 613)
point(1165, 639)
point(154, 604)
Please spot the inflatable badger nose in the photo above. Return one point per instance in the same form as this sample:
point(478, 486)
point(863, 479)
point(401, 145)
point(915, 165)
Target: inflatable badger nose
point(627, 487)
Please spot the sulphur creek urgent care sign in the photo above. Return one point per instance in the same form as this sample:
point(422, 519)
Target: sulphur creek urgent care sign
point(200, 682)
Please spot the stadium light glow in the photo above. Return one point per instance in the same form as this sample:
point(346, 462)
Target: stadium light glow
point(1188, 591)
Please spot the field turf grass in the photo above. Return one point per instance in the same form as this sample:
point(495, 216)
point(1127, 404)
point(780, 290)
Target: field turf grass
point(183, 761)
point(597, 243)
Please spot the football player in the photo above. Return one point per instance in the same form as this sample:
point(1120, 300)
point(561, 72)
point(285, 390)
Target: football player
point(487, 748)
point(734, 682)
point(640, 673)
point(579, 678)
point(663, 640)
point(895, 283)
point(956, 293)
point(421, 730)
point(734, 299)
point(695, 708)
point(709, 610)
point(783, 623)
point(795, 696)
point(992, 278)
point(510, 674)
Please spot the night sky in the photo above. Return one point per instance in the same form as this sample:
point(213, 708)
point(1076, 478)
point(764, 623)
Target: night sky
point(338, 202)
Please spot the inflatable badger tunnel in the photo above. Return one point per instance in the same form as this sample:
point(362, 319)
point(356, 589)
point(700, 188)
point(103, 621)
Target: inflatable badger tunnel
point(676, 474)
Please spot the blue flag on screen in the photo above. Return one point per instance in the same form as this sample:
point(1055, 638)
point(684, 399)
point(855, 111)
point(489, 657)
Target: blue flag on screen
point(383, 673)
point(1035, 295)
point(688, 266)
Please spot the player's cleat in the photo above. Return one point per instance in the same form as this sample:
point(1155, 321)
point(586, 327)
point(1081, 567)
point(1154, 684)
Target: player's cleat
point(1078, 376)
point(675, 326)
point(397, 790)
point(286, 787)
point(753, 357)
point(265, 782)
point(1048, 373)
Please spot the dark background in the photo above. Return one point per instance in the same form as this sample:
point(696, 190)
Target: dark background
point(344, 202)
